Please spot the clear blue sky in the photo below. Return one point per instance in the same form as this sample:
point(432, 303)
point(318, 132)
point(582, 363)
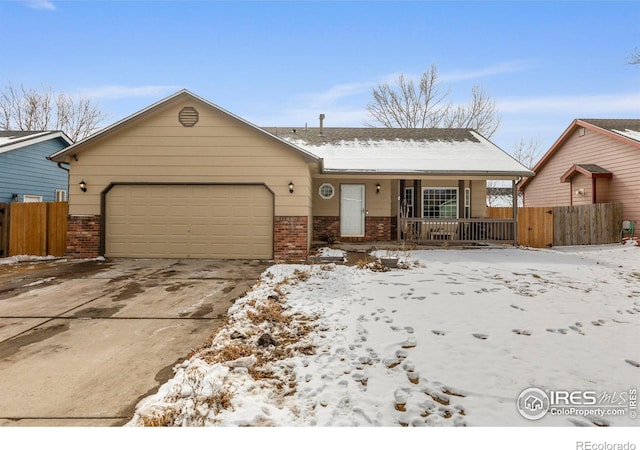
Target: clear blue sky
point(283, 63)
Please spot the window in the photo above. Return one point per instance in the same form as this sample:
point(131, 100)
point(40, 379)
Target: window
point(61, 195)
point(440, 202)
point(326, 191)
point(467, 203)
point(407, 202)
point(31, 198)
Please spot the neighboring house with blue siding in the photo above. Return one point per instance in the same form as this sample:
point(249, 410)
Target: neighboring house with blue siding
point(26, 173)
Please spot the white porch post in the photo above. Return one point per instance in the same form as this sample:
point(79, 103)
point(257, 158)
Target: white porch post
point(398, 225)
point(514, 200)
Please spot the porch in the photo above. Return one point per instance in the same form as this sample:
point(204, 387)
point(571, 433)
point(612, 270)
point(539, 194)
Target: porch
point(450, 212)
point(421, 231)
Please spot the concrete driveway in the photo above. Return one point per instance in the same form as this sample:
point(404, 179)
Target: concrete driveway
point(82, 342)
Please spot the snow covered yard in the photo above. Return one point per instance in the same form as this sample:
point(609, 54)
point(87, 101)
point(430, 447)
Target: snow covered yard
point(452, 340)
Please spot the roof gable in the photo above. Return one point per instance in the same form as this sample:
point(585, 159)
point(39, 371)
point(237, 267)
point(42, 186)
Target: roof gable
point(13, 140)
point(623, 130)
point(588, 170)
point(114, 128)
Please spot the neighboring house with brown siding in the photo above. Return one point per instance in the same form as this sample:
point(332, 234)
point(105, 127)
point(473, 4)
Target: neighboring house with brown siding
point(593, 161)
point(184, 178)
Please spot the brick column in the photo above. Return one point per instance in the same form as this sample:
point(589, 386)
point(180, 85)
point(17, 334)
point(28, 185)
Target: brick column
point(83, 236)
point(378, 228)
point(290, 237)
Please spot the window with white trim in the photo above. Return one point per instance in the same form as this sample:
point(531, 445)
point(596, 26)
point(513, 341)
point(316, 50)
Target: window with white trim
point(31, 198)
point(61, 195)
point(326, 190)
point(440, 202)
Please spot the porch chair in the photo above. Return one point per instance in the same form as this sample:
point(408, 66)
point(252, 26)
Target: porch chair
point(627, 228)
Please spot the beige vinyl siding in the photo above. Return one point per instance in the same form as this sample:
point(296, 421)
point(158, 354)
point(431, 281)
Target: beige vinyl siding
point(478, 198)
point(385, 203)
point(377, 204)
point(623, 160)
point(156, 148)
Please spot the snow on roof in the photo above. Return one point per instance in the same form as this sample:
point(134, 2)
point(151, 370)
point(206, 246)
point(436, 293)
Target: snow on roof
point(631, 134)
point(474, 155)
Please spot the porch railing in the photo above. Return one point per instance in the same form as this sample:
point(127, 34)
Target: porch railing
point(420, 230)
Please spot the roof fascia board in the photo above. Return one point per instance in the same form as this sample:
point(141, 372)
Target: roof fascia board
point(143, 112)
point(564, 136)
point(611, 134)
point(36, 139)
point(461, 174)
point(566, 177)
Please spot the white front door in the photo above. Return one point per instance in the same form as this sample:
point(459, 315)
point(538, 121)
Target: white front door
point(352, 210)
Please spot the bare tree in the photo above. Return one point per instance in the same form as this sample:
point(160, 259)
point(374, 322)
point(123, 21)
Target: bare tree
point(634, 58)
point(526, 152)
point(426, 105)
point(39, 110)
point(499, 193)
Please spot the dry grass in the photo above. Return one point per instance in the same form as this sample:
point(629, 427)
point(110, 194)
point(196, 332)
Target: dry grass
point(290, 332)
point(166, 418)
point(270, 311)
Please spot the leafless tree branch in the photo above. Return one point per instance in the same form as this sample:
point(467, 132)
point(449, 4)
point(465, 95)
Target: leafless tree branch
point(405, 105)
point(39, 110)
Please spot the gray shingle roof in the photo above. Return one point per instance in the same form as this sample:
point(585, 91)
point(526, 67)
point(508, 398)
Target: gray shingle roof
point(615, 124)
point(331, 135)
point(19, 134)
point(593, 168)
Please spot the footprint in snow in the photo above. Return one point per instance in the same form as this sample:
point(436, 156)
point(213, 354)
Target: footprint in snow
point(598, 323)
point(558, 330)
point(480, 336)
point(518, 308)
point(632, 362)
point(411, 342)
point(522, 332)
point(576, 329)
point(438, 332)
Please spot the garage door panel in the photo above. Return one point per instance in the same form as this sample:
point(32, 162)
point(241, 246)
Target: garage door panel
point(182, 221)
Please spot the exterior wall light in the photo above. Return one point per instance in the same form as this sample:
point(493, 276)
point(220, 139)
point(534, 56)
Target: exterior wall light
point(83, 186)
point(378, 188)
point(291, 187)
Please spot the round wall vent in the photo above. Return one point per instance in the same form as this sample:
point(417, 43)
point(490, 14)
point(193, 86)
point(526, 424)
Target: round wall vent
point(188, 116)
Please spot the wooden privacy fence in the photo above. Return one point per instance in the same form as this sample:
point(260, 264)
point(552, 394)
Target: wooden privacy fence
point(37, 229)
point(539, 227)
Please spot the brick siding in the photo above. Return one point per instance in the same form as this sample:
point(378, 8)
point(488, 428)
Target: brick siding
point(327, 228)
point(83, 236)
point(290, 237)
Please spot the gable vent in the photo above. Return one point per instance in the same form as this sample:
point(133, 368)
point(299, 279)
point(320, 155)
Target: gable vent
point(188, 116)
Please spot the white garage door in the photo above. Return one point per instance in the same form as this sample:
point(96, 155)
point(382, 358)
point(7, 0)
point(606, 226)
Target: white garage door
point(186, 221)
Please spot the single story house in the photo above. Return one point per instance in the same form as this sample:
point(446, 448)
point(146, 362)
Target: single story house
point(26, 175)
point(185, 178)
point(593, 161)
